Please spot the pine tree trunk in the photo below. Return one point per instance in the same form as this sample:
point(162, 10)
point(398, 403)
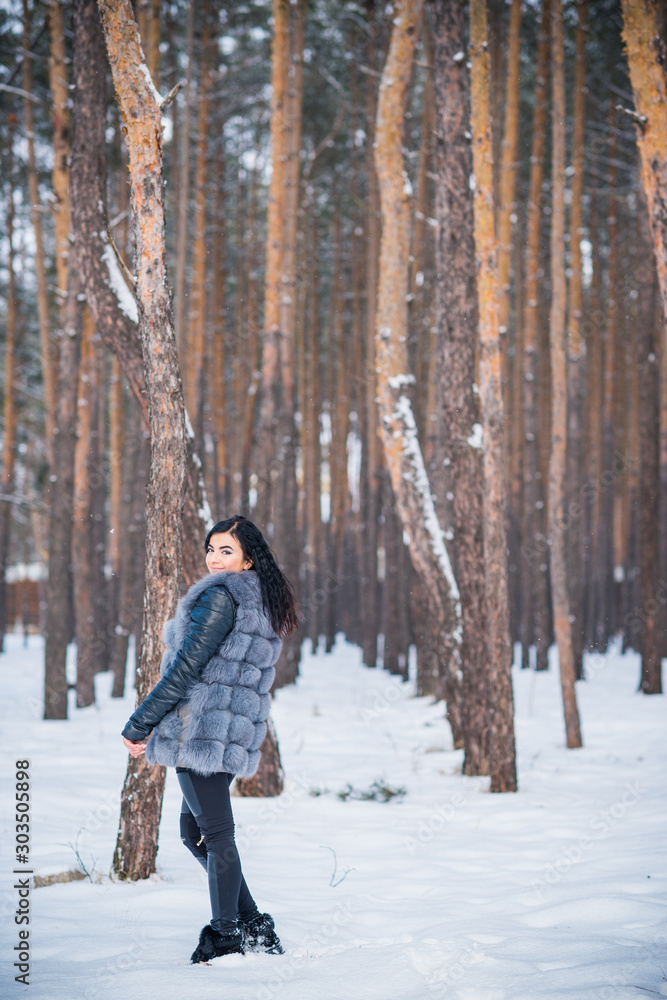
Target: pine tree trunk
point(9, 409)
point(115, 312)
point(646, 64)
point(269, 778)
point(575, 350)
point(194, 386)
point(649, 452)
point(222, 397)
point(61, 143)
point(45, 341)
point(287, 668)
point(311, 439)
point(662, 494)
point(142, 793)
point(531, 556)
point(402, 450)
point(371, 444)
point(181, 240)
point(83, 554)
point(507, 183)
point(557, 463)
point(270, 410)
point(502, 762)
point(61, 488)
point(605, 576)
point(592, 421)
point(457, 322)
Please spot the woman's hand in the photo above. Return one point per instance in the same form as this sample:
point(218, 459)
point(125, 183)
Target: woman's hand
point(136, 749)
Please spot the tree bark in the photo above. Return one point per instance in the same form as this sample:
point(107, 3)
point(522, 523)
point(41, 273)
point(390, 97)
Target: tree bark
point(649, 449)
point(457, 322)
point(402, 450)
point(9, 409)
point(270, 404)
point(531, 556)
point(142, 793)
point(85, 559)
point(507, 180)
point(557, 462)
point(180, 311)
point(269, 778)
point(61, 142)
point(502, 763)
point(196, 367)
point(46, 345)
point(371, 469)
point(111, 303)
point(287, 668)
point(649, 85)
point(575, 346)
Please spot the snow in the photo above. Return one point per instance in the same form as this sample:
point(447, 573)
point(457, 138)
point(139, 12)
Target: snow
point(126, 300)
point(143, 68)
point(555, 892)
point(397, 381)
point(413, 450)
point(475, 439)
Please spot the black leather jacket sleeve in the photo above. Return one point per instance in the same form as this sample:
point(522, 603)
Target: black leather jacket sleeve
point(211, 620)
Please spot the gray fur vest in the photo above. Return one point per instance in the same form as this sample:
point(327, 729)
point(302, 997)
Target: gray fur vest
point(220, 725)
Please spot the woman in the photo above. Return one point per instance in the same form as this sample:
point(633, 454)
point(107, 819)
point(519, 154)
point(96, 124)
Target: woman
point(206, 716)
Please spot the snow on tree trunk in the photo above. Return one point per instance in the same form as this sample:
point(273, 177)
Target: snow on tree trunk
point(142, 793)
point(108, 297)
point(501, 701)
point(403, 454)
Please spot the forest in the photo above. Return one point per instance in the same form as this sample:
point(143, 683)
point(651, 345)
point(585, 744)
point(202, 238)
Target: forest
point(388, 279)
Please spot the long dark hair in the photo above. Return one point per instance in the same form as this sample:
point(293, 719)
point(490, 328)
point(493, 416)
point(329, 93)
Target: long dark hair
point(278, 595)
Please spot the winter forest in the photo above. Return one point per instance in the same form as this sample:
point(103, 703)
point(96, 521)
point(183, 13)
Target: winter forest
point(390, 280)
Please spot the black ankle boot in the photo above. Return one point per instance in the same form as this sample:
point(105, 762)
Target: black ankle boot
point(213, 944)
point(260, 935)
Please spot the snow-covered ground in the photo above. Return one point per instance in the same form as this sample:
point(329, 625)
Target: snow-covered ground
point(444, 891)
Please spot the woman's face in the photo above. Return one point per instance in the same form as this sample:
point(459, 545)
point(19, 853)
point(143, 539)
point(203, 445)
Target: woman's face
point(224, 552)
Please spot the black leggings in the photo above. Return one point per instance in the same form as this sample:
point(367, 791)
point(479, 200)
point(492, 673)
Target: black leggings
point(207, 829)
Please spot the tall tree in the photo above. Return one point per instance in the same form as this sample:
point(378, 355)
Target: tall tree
point(502, 762)
point(575, 346)
point(557, 460)
point(402, 450)
point(9, 410)
point(35, 209)
point(508, 173)
point(141, 802)
point(287, 666)
point(457, 322)
point(645, 54)
point(61, 141)
point(270, 403)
